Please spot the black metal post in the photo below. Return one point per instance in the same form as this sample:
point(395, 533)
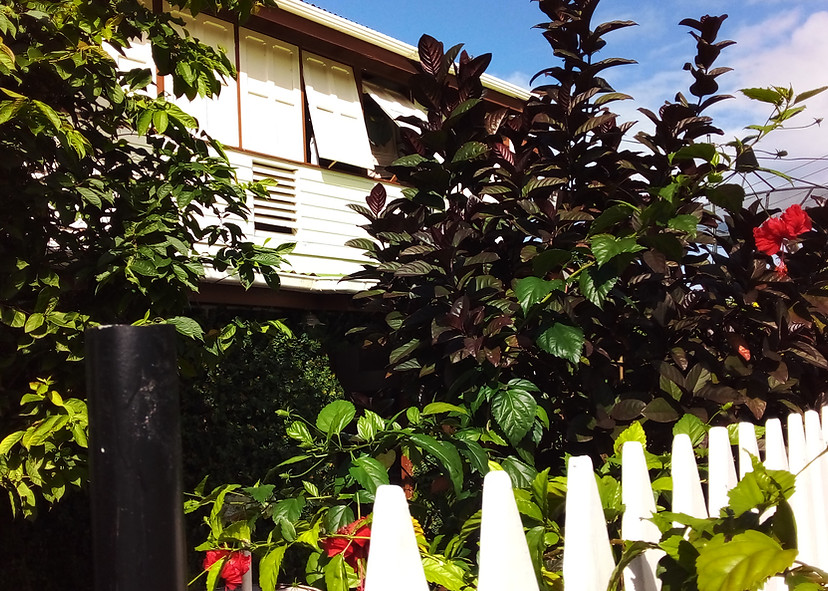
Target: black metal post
point(135, 459)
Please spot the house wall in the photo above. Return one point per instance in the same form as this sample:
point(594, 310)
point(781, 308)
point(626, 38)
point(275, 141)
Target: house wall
point(296, 115)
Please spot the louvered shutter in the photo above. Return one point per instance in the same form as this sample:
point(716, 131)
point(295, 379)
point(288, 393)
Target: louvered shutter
point(393, 104)
point(137, 55)
point(271, 96)
point(218, 116)
point(278, 212)
point(336, 111)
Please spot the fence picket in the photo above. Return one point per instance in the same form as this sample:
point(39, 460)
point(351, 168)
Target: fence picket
point(748, 448)
point(814, 446)
point(587, 557)
point(721, 471)
point(800, 500)
point(776, 458)
point(505, 563)
point(639, 503)
point(394, 558)
point(688, 497)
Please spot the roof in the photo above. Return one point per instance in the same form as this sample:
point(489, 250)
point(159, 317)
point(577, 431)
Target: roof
point(343, 25)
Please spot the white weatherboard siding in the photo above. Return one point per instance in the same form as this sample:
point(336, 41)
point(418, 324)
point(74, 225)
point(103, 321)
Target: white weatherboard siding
point(323, 220)
point(271, 90)
point(327, 222)
point(336, 111)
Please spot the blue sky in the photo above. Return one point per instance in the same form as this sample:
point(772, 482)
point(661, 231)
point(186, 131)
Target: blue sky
point(779, 42)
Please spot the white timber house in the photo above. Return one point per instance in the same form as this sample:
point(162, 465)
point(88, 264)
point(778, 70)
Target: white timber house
point(314, 109)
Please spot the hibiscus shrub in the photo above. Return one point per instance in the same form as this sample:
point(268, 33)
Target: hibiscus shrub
point(540, 287)
point(611, 284)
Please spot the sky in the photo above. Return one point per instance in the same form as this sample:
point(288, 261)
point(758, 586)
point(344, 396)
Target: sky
point(779, 42)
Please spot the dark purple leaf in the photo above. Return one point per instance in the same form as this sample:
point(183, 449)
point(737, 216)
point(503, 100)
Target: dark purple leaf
point(660, 411)
point(475, 67)
point(431, 54)
point(627, 410)
point(607, 27)
point(376, 199)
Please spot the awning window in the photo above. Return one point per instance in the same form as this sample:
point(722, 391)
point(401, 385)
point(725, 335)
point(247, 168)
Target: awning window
point(394, 104)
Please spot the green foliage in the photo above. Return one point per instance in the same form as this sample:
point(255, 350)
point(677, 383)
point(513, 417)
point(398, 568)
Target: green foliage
point(233, 423)
point(106, 195)
point(44, 456)
point(623, 284)
point(343, 456)
point(540, 282)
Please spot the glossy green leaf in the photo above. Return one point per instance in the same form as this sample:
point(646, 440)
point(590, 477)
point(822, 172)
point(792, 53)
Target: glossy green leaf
point(728, 196)
point(440, 571)
point(531, 290)
point(338, 517)
point(701, 151)
point(434, 408)
point(514, 412)
point(521, 473)
point(596, 284)
point(299, 431)
point(685, 223)
point(369, 473)
point(563, 340)
point(470, 151)
point(765, 95)
point(269, 568)
point(692, 426)
point(761, 488)
point(446, 453)
point(260, 493)
point(336, 579)
point(369, 424)
point(744, 562)
point(476, 456)
point(334, 417)
point(634, 432)
point(9, 441)
point(187, 327)
point(288, 509)
point(803, 96)
point(605, 247)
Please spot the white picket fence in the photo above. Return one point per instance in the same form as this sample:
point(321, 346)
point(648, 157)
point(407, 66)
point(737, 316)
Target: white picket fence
point(505, 565)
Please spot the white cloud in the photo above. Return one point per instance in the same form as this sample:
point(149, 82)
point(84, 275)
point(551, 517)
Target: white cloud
point(782, 52)
point(519, 78)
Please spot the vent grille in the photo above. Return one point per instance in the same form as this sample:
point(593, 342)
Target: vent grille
point(276, 213)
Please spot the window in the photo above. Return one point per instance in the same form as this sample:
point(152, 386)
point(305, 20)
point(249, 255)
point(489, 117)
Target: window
point(383, 107)
point(271, 96)
point(218, 116)
point(336, 112)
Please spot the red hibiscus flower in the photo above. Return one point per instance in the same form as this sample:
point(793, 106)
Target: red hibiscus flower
point(770, 236)
point(796, 220)
point(351, 541)
point(234, 568)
